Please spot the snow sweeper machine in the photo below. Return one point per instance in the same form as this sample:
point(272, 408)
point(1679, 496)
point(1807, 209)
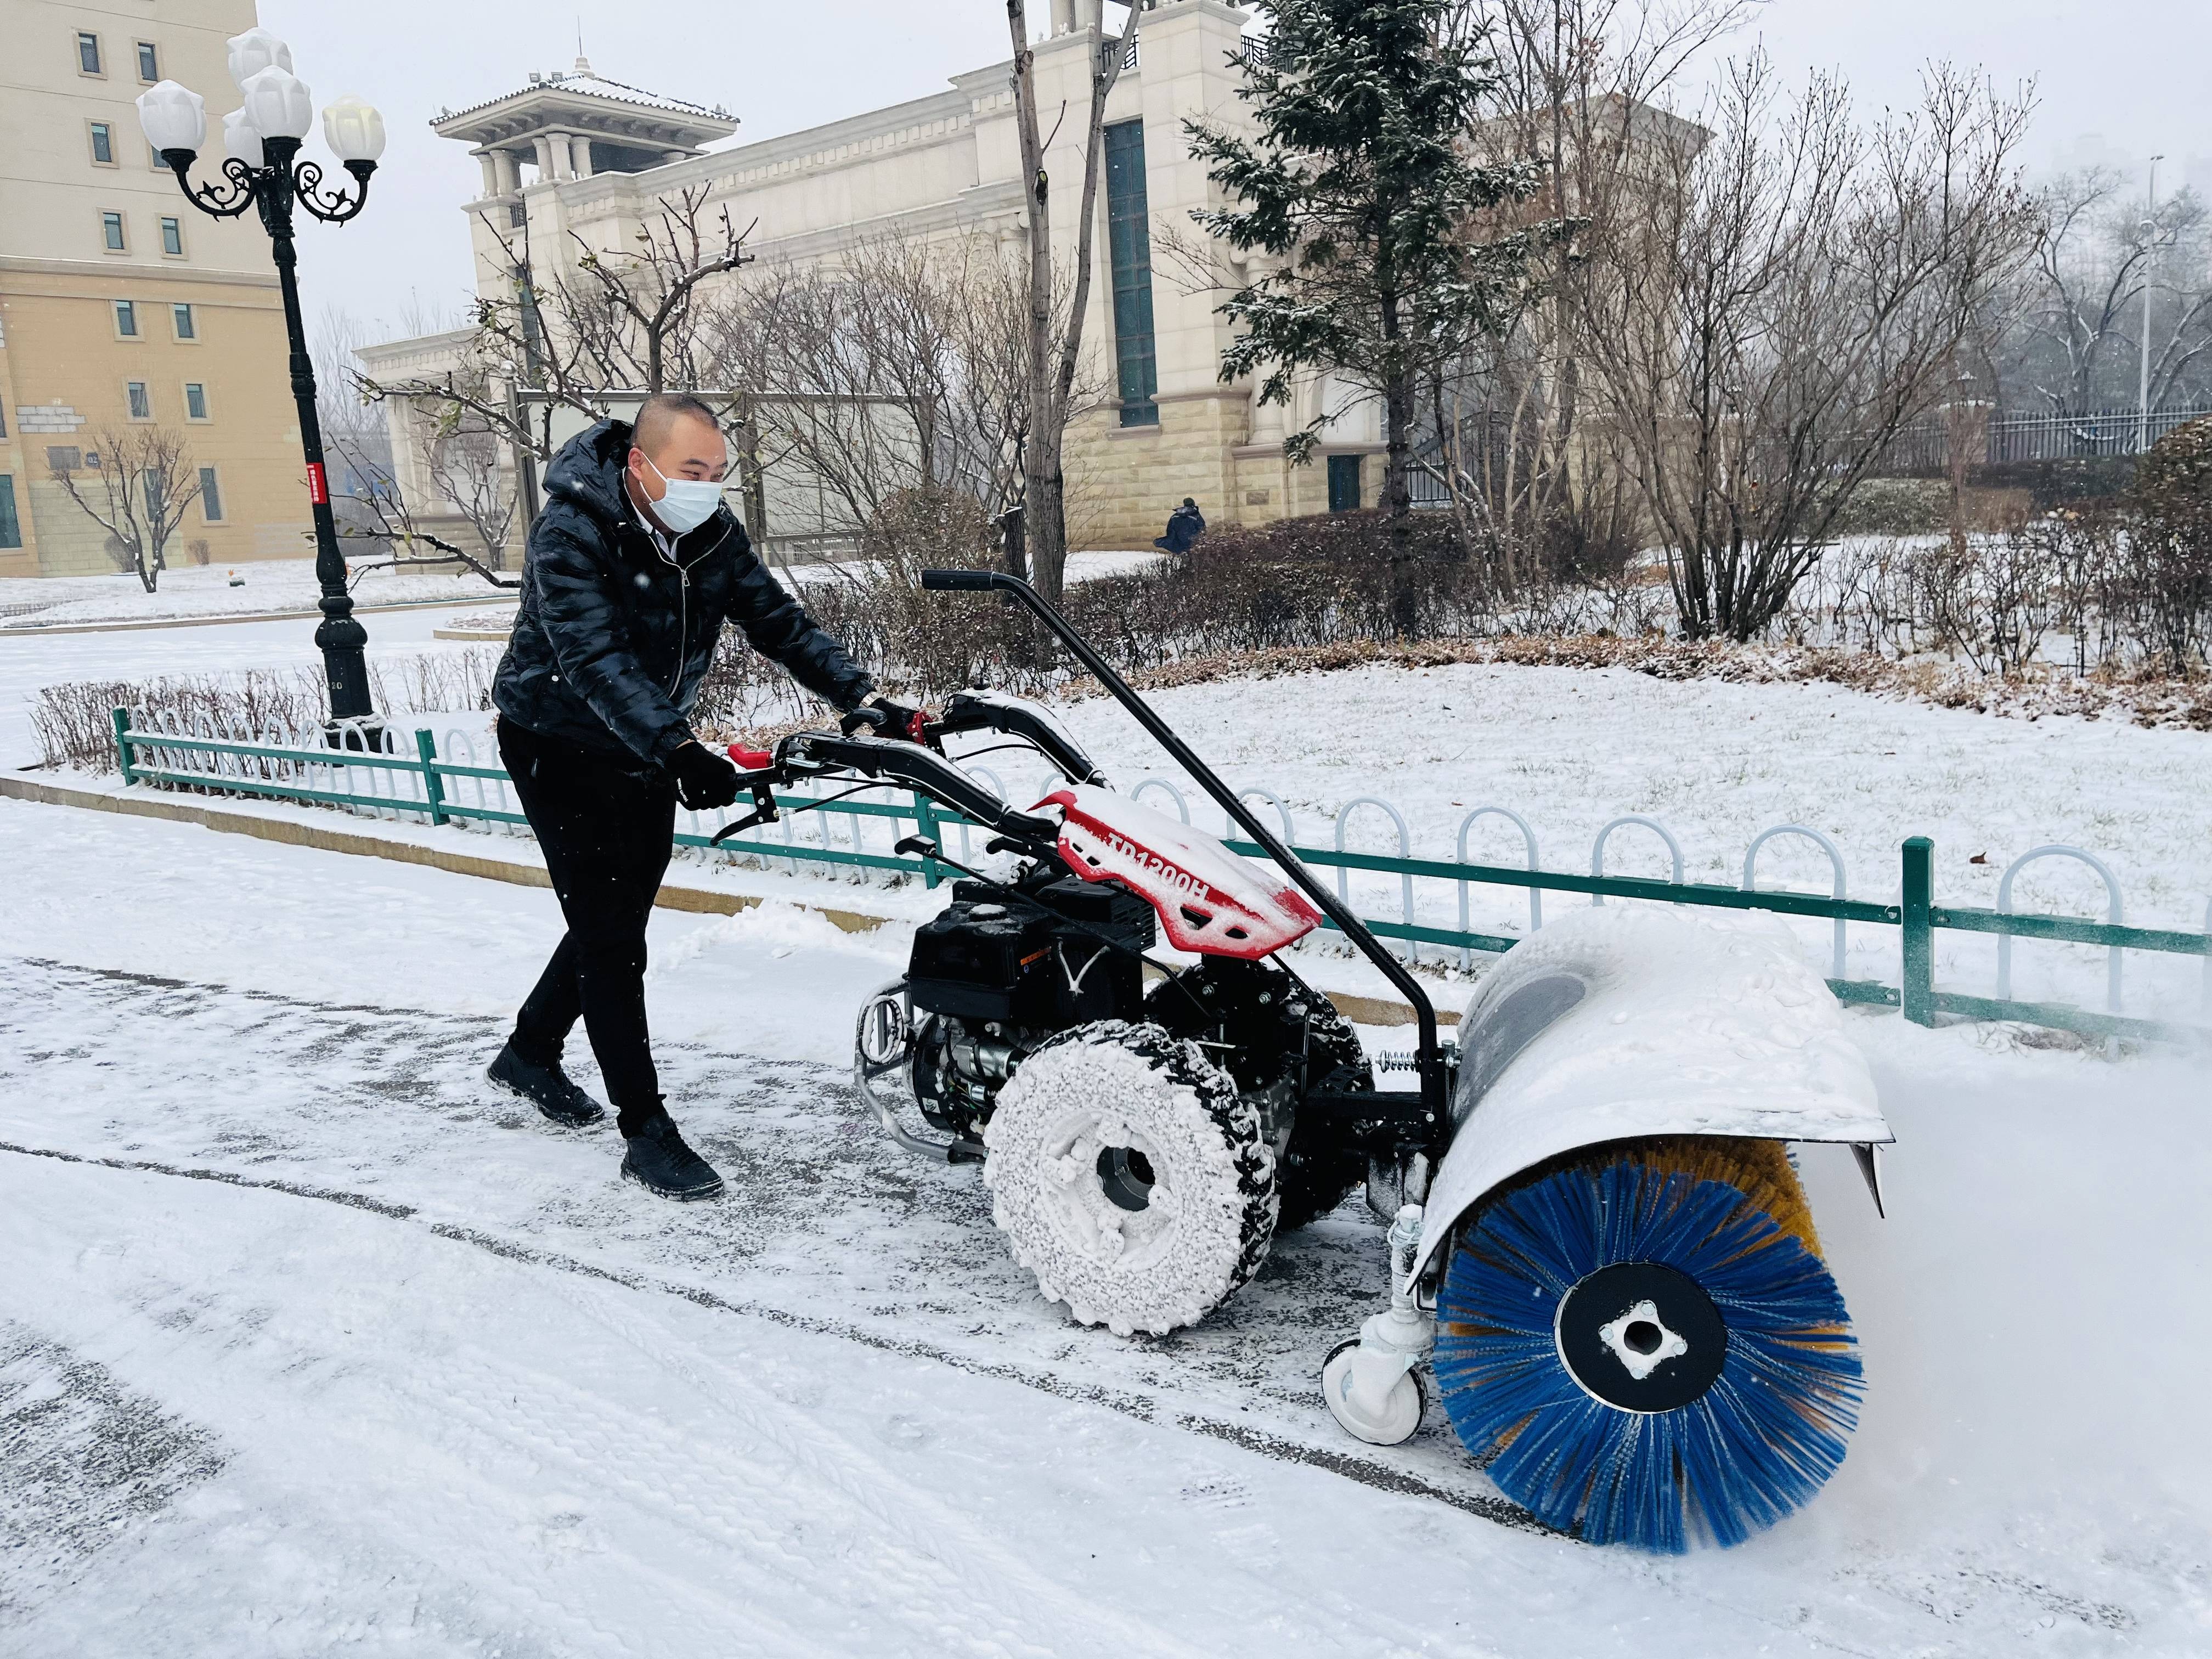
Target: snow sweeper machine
point(1601, 1259)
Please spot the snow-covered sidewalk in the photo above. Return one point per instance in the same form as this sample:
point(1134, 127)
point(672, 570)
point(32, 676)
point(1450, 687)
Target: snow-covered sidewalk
point(308, 1338)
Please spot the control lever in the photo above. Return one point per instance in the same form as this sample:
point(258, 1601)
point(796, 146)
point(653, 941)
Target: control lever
point(755, 771)
point(875, 720)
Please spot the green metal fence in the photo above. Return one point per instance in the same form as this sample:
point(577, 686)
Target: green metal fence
point(1916, 916)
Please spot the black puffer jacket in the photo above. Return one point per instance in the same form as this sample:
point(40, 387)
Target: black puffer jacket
point(614, 637)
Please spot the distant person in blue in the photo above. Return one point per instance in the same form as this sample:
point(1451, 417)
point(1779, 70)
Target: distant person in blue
point(1184, 526)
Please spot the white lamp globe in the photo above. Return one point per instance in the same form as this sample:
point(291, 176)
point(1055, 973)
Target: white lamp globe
point(175, 117)
point(254, 51)
point(353, 129)
point(278, 103)
point(240, 141)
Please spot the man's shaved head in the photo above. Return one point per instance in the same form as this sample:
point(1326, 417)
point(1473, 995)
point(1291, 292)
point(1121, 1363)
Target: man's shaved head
point(658, 416)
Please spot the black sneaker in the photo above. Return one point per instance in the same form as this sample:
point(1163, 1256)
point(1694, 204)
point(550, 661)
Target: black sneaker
point(659, 1161)
point(546, 1087)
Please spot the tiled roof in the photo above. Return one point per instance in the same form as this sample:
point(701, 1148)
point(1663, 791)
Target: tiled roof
point(583, 80)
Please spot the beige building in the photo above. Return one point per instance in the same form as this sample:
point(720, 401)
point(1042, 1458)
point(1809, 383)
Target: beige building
point(123, 307)
point(575, 159)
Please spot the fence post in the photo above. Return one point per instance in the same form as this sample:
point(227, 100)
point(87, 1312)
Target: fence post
point(433, 787)
point(1917, 983)
point(123, 745)
point(925, 823)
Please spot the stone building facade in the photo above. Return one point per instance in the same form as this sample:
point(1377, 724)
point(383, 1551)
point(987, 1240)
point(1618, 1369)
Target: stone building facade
point(121, 306)
point(574, 158)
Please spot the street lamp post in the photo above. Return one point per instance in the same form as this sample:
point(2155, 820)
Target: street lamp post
point(2150, 270)
point(262, 171)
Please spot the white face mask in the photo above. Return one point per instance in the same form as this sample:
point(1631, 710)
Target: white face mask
point(688, 502)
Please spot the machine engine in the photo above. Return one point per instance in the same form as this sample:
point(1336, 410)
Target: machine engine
point(990, 980)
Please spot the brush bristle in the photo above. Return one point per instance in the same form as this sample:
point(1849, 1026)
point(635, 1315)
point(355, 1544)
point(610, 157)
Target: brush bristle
point(1760, 1169)
point(1756, 1445)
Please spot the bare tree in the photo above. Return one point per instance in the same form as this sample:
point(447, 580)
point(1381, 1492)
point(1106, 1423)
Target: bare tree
point(1055, 336)
point(459, 455)
point(637, 320)
point(135, 484)
point(902, 367)
point(631, 319)
point(2079, 345)
point(1581, 86)
point(1799, 288)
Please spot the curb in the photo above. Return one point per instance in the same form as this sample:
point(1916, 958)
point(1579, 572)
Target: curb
point(1361, 1010)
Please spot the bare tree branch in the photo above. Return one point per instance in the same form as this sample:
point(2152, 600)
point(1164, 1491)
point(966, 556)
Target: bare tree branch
point(135, 484)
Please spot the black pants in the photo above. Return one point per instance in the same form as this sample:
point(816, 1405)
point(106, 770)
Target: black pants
point(605, 827)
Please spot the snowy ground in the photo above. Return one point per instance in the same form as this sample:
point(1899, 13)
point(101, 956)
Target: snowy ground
point(35, 602)
point(310, 1343)
point(28, 661)
point(1571, 750)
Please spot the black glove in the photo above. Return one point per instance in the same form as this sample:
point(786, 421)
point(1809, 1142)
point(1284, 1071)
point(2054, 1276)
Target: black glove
point(704, 780)
point(900, 719)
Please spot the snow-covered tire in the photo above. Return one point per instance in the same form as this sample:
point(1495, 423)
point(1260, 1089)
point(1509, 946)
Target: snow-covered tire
point(1073, 1137)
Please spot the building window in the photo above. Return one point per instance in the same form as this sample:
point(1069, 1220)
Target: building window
point(111, 231)
point(103, 144)
point(172, 239)
point(1129, 239)
point(195, 401)
point(211, 496)
point(126, 320)
point(1344, 483)
point(149, 63)
point(11, 528)
point(141, 400)
point(153, 159)
point(187, 329)
point(87, 54)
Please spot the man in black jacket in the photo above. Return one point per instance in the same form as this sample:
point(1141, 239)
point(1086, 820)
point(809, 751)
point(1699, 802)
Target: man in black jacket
point(1185, 525)
point(632, 568)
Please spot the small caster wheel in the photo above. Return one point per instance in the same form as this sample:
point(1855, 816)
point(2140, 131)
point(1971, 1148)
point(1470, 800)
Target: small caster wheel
point(1403, 1406)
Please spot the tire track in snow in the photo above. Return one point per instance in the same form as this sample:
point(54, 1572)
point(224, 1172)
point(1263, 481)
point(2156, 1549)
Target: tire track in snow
point(404, 1068)
point(1145, 1408)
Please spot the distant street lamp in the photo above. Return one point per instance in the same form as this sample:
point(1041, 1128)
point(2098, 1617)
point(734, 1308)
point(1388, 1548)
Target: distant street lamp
point(261, 145)
point(2150, 270)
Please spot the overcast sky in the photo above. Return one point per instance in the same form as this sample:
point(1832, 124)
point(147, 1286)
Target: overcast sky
point(2116, 82)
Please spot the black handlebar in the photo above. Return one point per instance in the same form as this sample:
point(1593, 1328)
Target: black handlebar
point(963, 582)
point(923, 769)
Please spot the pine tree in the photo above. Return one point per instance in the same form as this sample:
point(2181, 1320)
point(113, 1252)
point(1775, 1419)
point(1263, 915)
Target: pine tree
point(1391, 255)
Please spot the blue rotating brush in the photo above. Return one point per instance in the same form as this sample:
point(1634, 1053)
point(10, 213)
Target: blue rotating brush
point(1645, 1348)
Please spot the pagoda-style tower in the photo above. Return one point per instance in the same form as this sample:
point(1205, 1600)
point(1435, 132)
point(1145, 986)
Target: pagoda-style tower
point(576, 125)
